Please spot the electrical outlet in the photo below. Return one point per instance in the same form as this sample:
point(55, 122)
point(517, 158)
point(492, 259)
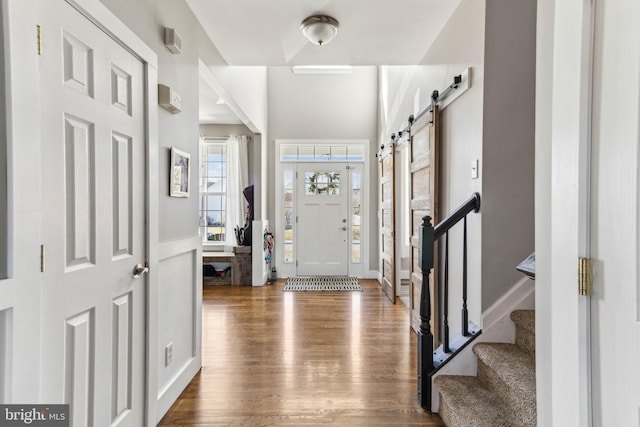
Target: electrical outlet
point(168, 354)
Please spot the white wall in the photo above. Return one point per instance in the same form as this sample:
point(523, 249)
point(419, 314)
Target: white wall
point(325, 107)
point(245, 91)
point(148, 18)
point(508, 144)
point(247, 86)
point(462, 44)
point(461, 41)
point(460, 142)
point(492, 122)
point(174, 270)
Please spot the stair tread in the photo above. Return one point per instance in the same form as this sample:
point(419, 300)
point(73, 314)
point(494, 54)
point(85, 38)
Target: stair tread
point(513, 365)
point(525, 319)
point(470, 402)
point(509, 370)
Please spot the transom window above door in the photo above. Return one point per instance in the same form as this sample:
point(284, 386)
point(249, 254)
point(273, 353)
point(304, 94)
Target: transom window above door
point(321, 153)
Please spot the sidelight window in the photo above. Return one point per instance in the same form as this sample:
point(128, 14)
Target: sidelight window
point(356, 216)
point(289, 214)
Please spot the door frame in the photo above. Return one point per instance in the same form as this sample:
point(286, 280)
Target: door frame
point(567, 206)
point(289, 269)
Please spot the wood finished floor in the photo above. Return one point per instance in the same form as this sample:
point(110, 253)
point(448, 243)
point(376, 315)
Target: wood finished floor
point(274, 358)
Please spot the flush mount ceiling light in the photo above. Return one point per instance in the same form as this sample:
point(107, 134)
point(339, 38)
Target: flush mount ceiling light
point(319, 29)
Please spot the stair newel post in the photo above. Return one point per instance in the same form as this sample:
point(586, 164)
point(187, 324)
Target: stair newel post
point(465, 313)
point(425, 337)
point(445, 301)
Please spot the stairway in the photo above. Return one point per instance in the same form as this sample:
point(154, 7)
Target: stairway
point(503, 394)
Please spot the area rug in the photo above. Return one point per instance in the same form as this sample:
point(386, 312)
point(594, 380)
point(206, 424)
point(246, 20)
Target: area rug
point(322, 283)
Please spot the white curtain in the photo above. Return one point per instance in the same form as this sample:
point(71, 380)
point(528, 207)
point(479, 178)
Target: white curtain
point(237, 180)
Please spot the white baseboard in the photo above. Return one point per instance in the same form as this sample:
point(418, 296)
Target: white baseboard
point(520, 296)
point(497, 326)
point(170, 394)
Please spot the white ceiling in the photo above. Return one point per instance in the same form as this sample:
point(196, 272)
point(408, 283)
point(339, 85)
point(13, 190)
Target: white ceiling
point(372, 32)
point(267, 33)
point(211, 110)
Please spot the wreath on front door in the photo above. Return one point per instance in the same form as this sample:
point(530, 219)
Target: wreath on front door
point(324, 183)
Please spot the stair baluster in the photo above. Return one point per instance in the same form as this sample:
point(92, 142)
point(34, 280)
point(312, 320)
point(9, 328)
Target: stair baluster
point(445, 299)
point(430, 360)
point(465, 313)
point(425, 337)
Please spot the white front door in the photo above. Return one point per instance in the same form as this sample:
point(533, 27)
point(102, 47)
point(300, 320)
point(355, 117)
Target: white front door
point(323, 219)
point(93, 191)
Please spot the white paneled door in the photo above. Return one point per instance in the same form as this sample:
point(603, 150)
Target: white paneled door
point(615, 215)
point(93, 191)
point(323, 219)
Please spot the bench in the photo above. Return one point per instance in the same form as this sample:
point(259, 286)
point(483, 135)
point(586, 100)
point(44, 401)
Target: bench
point(239, 263)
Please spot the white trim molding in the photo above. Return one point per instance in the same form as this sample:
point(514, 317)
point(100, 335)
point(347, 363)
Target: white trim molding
point(360, 269)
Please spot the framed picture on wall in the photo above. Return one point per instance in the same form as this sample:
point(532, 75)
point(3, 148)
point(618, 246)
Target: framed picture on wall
point(179, 182)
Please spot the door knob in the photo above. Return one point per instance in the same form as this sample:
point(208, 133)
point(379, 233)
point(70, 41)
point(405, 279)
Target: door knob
point(344, 220)
point(139, 270)
point(344, 228)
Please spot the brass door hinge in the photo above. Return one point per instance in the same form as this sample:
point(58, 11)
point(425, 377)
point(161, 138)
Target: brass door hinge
point(584, 277)
point(39, 39)
point(43, 260)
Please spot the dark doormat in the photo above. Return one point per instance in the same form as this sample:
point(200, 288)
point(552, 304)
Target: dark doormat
point(322, 284)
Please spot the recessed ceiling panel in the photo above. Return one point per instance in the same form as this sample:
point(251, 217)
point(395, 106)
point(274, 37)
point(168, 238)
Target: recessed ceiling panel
point(372, 32)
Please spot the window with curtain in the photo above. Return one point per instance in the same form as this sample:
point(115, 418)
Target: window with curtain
point(213, 192)
point(223, 176)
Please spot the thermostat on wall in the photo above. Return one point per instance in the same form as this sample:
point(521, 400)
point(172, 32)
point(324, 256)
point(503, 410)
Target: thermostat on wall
point(168, 99)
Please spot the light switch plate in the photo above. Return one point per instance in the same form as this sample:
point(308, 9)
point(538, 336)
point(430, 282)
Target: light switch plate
point(474, 169)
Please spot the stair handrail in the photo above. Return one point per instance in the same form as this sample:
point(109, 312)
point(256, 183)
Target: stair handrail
point(472, 204)
point(426, 355)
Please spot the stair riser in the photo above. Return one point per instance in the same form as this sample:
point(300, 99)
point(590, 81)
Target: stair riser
point(524, 408)
point(526, 340)
point(445, 413)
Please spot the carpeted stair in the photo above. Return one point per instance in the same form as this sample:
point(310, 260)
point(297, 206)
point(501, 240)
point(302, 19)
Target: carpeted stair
point(503, 394)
